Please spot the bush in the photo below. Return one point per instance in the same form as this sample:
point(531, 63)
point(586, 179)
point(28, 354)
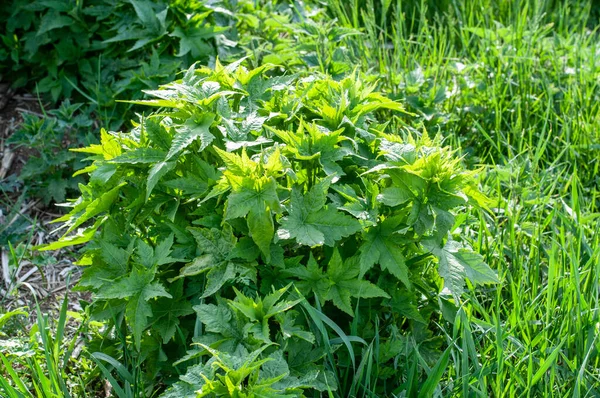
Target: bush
point(246, 197)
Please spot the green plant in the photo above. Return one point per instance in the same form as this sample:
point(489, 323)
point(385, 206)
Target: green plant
point(296, 36)
point(47, 172)
point(249, 181)
point(44, 366)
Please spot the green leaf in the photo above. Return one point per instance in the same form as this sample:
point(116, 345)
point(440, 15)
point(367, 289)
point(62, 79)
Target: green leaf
point(252, 194)
point(140, 155)
point(163, 250)
point(190, 132)
point(137, 288)
point(435, 375)
point(82, 236)
point(475, 267)
point(53, 20)
point(456, 263)
point(57, 189)
point(287, 323)
point(217, 276)
point(313, 224)
point(312, 278)
point(339, 284)
point(394, 196)
point(195, 40)
point(260, 224)
point(168, 311)
point(157, 171)
point(114, 256)
point(345, 284)
point(333, 224)
point(215, 318)
point(158, 133)
point(145, 254)
point(260, 310)
point(219, 243)
point(192, 185)
point(97, 206)
point(103, 172)
point(217, 247)
point(146, 13)
point(402, 302)
point(381, 246)
point(199, 265)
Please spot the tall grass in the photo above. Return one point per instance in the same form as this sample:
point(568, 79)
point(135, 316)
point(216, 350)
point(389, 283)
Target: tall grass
point(513, 84)
point(45, 368)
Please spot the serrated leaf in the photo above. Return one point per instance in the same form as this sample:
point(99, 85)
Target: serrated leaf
point(157, 132)
point(333, 224)
point(191, 185)
point(103, 172)
point(345, 284)
point(394, 196)
point(476, 269)
point(138, 310)
point(287, 323)
point(157, 171)
point(252, 194)
point(83, 235)
point(168, 311)
point(145, 13)
point(339, 284)
point(313, 224)
point(195, 40)
point(162, 251)
point(190, 132)
point(137, 288)
point(115, 256)
point(219, 243)
point(381, 247)
point(57, 189)
point(217, 277)
point(140, 155)
point(53, 20)
point(199, 265)
point(402, 302)
point(215, 318)
point(144, 254)
point(96, 207)
point(455, 263)
point(312, 278)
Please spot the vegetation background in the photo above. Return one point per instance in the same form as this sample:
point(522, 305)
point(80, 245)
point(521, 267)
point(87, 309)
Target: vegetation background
point(511, 86)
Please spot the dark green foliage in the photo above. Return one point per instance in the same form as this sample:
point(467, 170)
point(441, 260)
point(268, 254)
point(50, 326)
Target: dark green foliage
point(49, 166)
point(105, 50)
point(249, 195)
